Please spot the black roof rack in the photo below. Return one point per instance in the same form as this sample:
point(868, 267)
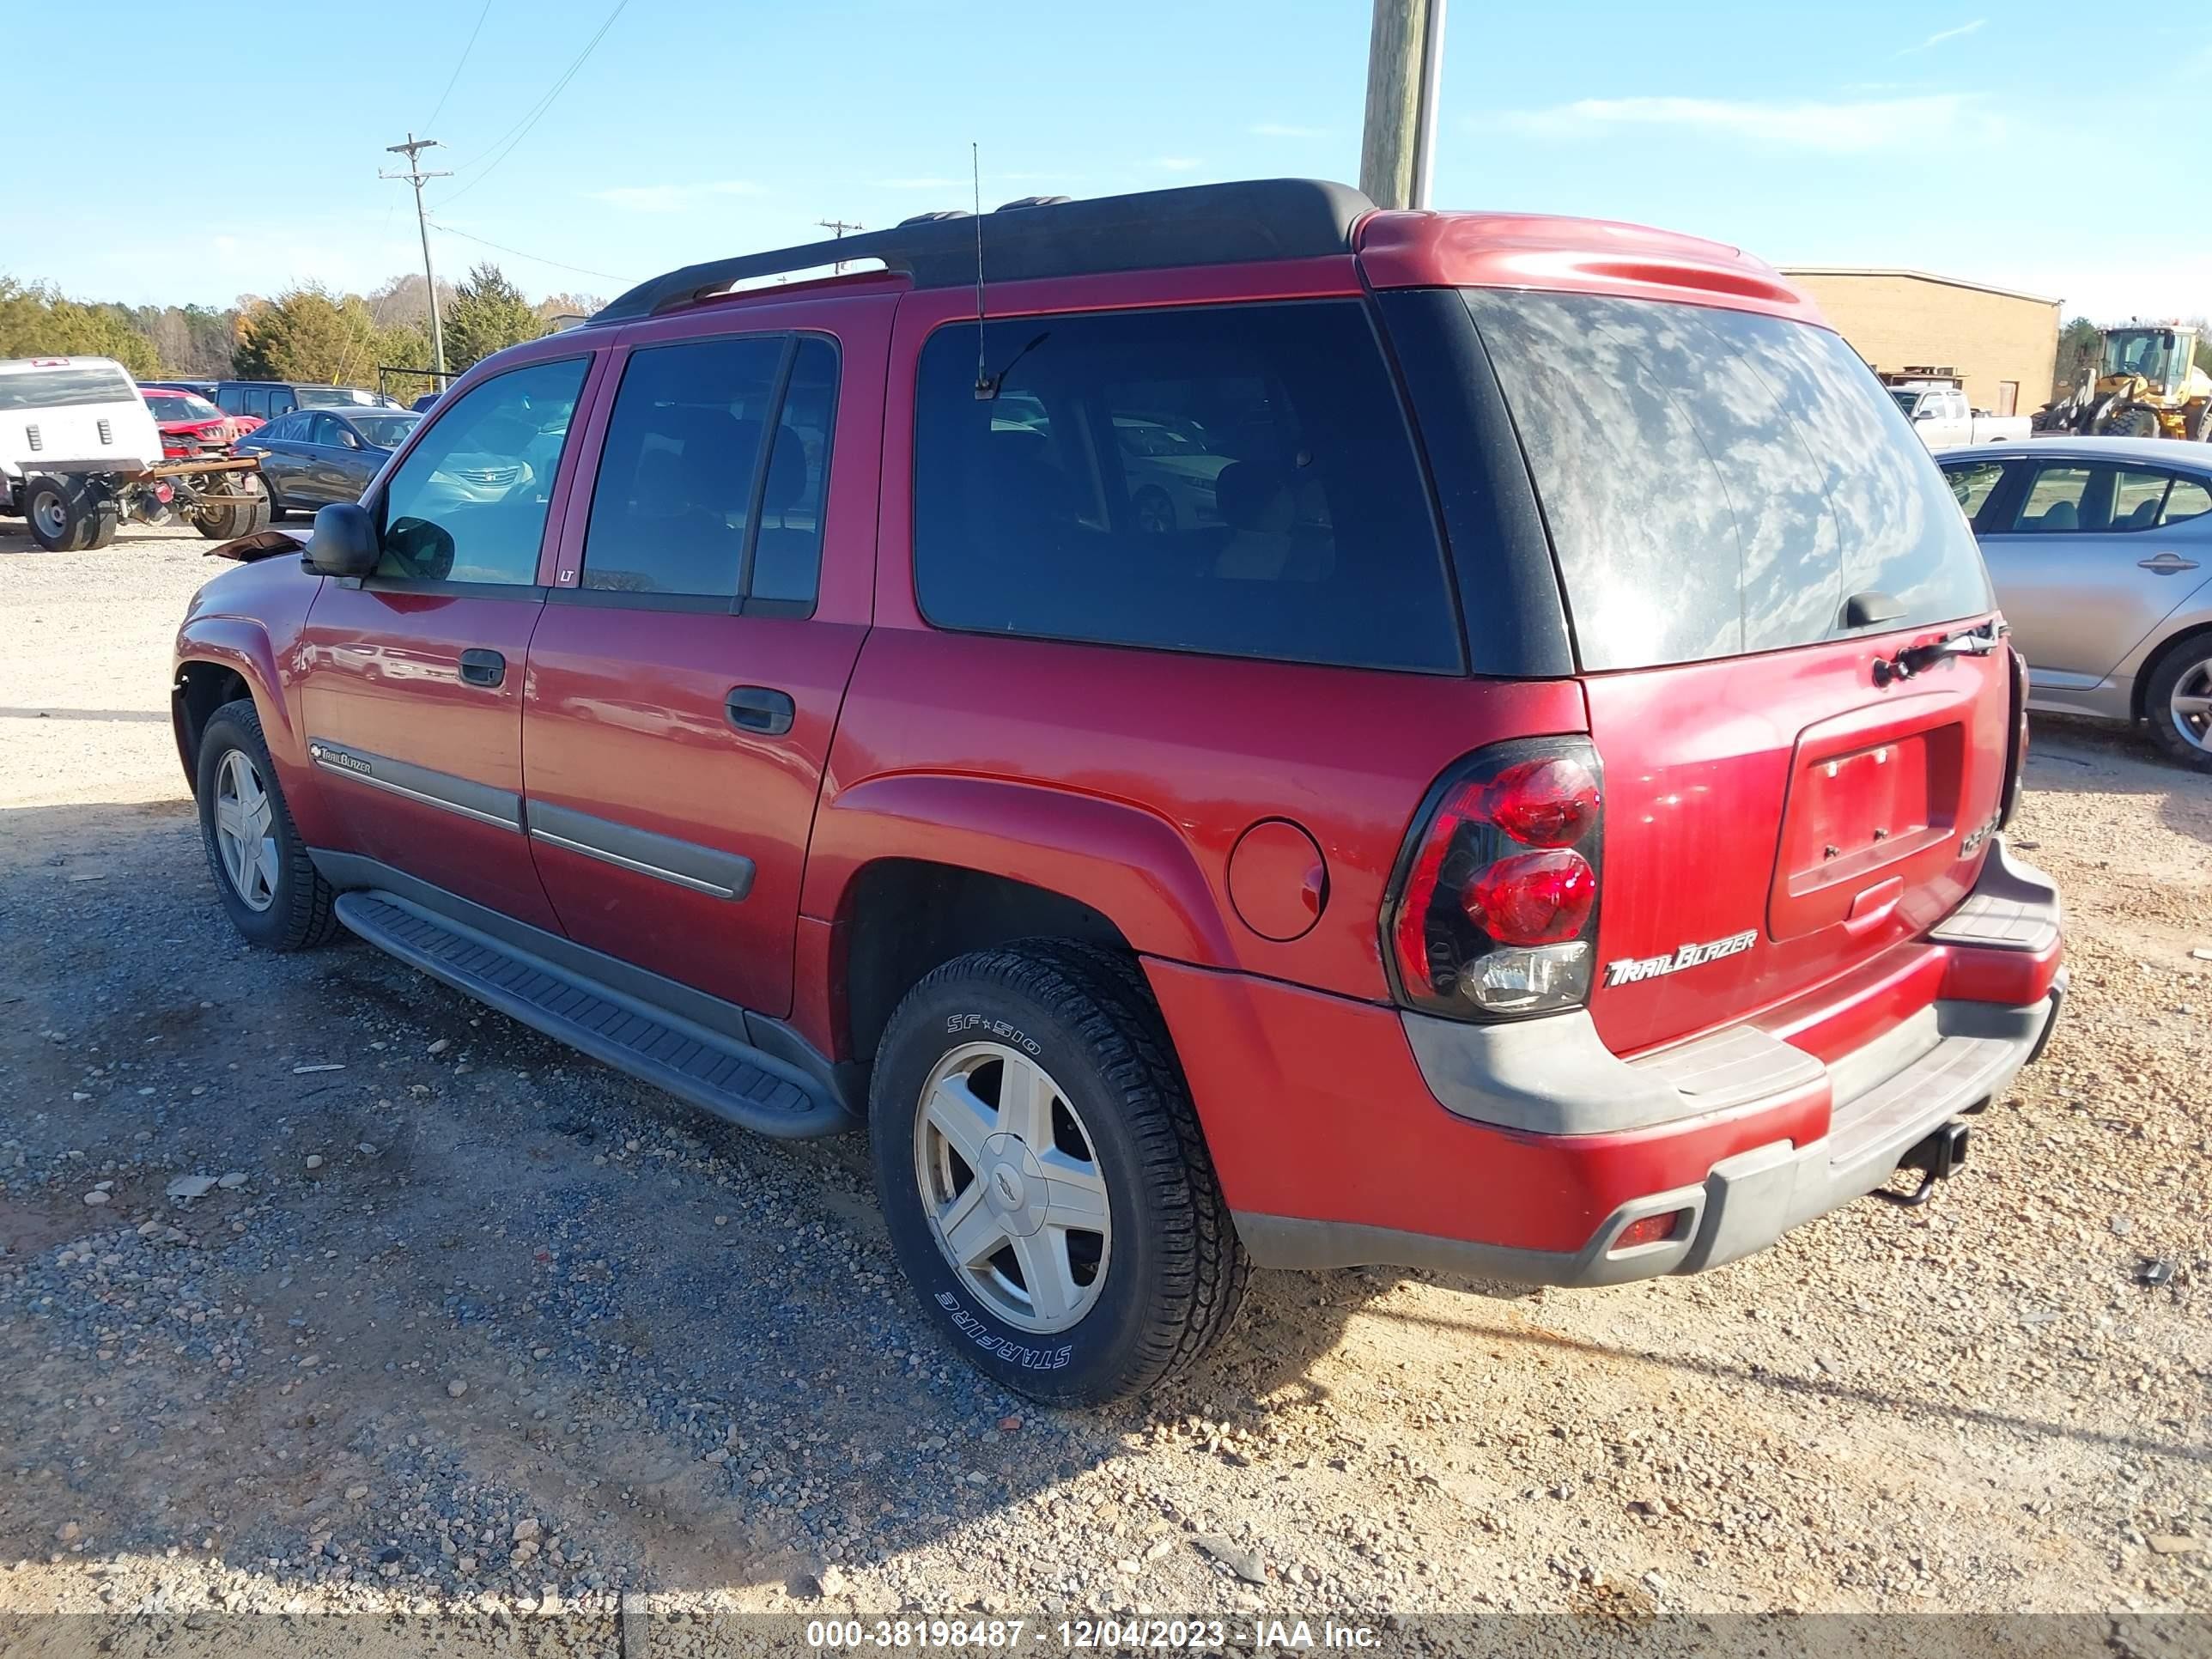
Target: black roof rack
point(1199, 225)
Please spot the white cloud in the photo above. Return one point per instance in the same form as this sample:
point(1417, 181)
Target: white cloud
point(1840, 127)
point(671, 198)
point(1941, 35)
point(1283, 129)
point(1178, 163)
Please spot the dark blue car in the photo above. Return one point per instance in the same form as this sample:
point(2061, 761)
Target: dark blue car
point(312, 457)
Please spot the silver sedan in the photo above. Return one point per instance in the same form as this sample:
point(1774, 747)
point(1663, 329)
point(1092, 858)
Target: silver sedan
point(2102, 552)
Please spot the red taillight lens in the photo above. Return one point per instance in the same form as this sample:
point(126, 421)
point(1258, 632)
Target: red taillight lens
point(1533, 898)
point(1493, 908)
point(1546, 802)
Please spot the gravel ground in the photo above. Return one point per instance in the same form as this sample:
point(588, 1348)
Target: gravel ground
point(467, 1329)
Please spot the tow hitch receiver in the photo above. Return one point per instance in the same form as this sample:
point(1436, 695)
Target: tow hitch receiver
point(1936, 1158)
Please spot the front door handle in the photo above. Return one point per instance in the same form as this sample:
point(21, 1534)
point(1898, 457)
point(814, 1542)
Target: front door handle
point(2167, 563)
point(480, 667)
point(757, 708)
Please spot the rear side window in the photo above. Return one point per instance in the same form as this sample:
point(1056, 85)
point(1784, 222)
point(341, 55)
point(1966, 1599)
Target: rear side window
point(681, 496)
point(1237, 480)
point(2188, 500)
point(469, 502)
point(76, 385)
point(1717, 483)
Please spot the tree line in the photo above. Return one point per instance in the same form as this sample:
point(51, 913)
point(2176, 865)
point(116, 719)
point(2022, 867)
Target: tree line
point(311, 333)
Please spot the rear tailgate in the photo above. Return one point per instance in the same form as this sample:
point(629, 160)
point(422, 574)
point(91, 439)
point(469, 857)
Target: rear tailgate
point(1744, 524)
point(1773, 822)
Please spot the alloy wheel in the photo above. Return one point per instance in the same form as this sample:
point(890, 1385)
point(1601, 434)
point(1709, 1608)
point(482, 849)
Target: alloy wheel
point(49, 514)
point(1011, 1187)
point(2189, 704)
point(245, 830)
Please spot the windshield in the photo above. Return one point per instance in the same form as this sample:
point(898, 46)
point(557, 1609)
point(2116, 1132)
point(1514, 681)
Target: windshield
point(1717, 482)
point(2145, 352)
point(66, 386)
point(181, 406)
point(334, 397)
point(385, 431)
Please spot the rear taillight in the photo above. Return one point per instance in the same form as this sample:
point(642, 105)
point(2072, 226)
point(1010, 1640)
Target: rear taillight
point(1492, 913)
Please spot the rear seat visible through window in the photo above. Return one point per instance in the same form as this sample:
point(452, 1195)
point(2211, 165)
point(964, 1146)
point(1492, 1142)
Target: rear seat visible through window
point(1234, 480)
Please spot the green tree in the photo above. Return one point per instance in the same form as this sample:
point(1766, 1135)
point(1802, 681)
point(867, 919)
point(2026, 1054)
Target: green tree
point(488, 314)
point(310, 334)
point(2079, 342)
point(36, 321)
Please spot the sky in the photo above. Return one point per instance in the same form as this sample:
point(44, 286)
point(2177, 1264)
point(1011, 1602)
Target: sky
point(2031, 145)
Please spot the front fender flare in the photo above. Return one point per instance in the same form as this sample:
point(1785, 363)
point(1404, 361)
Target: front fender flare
point(1131, 865)
point(242, 644)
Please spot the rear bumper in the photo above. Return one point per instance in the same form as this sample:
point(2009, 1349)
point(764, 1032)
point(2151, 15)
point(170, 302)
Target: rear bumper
point(1483, 1160)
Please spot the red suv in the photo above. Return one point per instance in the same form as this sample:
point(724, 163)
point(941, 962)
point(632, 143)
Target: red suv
point(1301, 736)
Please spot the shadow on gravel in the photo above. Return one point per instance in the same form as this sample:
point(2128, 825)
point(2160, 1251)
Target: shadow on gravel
point(473, 1312)
point(2088, 757)
point(1814, 1388)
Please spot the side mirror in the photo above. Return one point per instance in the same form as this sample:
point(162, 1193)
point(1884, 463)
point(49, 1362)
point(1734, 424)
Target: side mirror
point(1923, 415)
point(343, 542)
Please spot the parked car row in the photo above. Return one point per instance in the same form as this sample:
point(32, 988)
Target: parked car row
point(312, 457)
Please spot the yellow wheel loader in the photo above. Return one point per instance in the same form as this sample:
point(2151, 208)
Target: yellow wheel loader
point(2147, 386)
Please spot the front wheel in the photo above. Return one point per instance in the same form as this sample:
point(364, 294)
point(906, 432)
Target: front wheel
point(270, 887)
point(230, 521)
point(2178, 699)
point(1043, 1177)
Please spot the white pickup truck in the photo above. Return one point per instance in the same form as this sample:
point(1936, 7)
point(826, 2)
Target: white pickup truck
point(1944, 419)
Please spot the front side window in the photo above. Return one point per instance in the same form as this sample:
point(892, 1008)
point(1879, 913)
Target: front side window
point(1237, 480)
point(2073, 497)
point(469, 503)
point(328, 432)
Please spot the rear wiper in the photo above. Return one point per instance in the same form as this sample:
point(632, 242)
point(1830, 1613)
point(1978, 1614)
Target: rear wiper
point(1978, 641)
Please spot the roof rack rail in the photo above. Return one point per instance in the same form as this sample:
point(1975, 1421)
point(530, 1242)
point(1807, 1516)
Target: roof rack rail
point(1197, 225)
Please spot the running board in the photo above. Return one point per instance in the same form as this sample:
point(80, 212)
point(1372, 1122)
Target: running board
point(713, 1072)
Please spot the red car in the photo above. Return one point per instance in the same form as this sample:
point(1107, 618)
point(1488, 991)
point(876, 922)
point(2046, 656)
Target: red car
point(191, 425)
point(1538, 815)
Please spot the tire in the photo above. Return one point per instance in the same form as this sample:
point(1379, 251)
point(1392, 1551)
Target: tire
point(277, 510)
point(2202, 432)
point(283, 904)
point(106, 519)
point(1166, 1270)
point(64, 513)
point(225, 524)
point(2182, 673)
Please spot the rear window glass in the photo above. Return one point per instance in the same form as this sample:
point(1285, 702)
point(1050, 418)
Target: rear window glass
point(1237, 480)
point(1717, 483)
point(63, 388)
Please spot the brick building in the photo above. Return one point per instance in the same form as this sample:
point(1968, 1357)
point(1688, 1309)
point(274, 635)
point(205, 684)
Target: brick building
point(2004, 345)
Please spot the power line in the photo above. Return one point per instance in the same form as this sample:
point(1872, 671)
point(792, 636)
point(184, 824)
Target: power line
point(837, 227)
point(456, 75)
point(415, 175)
point(490, 161)
point(582, 270)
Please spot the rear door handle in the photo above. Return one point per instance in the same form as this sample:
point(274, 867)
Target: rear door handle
point(2167, 563)
point(480, 667)
point(757, 708)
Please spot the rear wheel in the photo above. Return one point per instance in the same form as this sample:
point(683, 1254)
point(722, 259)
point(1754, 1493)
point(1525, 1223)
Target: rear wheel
point(277, 507)
point(2178, 699)
point(66, 513)
point(1043, 1173)
point(2202, 430)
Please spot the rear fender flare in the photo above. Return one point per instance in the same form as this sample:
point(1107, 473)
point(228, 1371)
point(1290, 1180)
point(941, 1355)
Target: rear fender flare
point(1129, 865)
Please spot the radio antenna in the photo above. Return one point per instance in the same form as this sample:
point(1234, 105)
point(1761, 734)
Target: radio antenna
point(985, 389)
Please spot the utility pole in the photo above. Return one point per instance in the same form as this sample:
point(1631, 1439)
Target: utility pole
point(837, 227)
point(415, 176)
point(1405, 66)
